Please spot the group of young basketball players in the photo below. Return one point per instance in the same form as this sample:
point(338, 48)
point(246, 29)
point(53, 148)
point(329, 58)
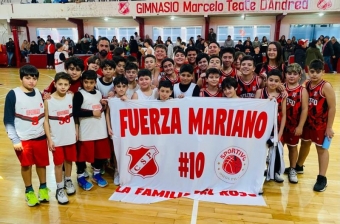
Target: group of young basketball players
point(72, 118)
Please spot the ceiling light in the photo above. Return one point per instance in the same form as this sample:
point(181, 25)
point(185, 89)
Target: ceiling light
point(106, 19)
point(321, 14)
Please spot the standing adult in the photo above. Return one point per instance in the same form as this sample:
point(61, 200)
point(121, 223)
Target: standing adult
point(10, 51)
point(313, 53)
point(212, 35)
point(103, 47)
point(137, 38)
point(229, 42)
point(300, 53)
point(133, 46)
point(50, 39)
point(336, 48)
point(328, 53)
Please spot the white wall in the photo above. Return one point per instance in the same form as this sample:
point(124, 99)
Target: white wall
point(90, 23)
point(312, 18)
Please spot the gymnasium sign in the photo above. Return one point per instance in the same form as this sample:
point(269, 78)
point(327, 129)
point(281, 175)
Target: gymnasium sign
point(230, 6)
point(206, 149)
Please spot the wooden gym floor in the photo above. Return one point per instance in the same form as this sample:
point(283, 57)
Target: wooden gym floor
point(286, 203)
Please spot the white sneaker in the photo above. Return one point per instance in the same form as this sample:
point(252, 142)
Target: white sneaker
point(86, 174)
point(61, 196)
point(47, 67)
point(70, 189)
point(116, 178)
point(292, 176)
point(278, 178)
point(51, 67)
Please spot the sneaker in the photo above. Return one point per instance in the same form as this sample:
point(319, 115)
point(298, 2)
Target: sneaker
point(278, 178)
point(102, 171)
point(47, 67)
point(61, 196)
point(83, 183)
point(31, 199)
point(321, 184)
point(99, 180)
point(298, 169)
point(292, 176)
point(43, 195)
point(116, 178)
point(86, 174)
point(69, 187)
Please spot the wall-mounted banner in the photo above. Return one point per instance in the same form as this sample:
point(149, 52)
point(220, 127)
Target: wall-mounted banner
point(165, 7)
point(201, 148)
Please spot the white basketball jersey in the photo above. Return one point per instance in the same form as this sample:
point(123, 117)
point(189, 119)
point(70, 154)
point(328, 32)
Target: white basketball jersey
point(188, 93)
point(29, 115)
point(130, 92)
point(104, 88)
point(61, 121)
point(92, 128)
point(58, 64)
point(142, 96)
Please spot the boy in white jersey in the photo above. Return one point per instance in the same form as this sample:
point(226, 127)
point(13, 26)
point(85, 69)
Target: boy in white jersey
point(61, 134)
point(24, 122)
point(150, 64)
point(59, 58)
point(131, 71)
point(120, 88)
point(93, 138)
point(105, 84)
point(145, 92)
point(186, 88)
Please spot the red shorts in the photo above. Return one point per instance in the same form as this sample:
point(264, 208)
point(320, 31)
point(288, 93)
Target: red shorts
point(96, 149)
point(316, 136)
point(62, 153)
point(35, 152)
point(290, 139)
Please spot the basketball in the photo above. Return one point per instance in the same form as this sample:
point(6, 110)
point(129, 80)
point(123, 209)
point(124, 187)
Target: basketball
point(232, 164)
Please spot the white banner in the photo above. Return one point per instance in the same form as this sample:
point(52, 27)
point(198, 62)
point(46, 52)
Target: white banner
point(202, 148)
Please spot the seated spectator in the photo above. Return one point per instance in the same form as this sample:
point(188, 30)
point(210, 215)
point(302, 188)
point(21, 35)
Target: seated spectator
point(25, 48)
point(34, 49)
point(42, 47)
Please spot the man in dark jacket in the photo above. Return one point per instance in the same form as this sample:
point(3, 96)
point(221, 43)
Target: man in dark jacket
point(336, 48)
point(328, 53)
point(10, 51)
point(212, 35)
point(300, 53)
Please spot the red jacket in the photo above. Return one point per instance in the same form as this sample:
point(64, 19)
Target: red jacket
point(50, 47)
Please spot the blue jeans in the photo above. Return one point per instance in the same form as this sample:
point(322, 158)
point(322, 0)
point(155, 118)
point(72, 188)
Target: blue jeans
point(9, 56)
point(327, 60)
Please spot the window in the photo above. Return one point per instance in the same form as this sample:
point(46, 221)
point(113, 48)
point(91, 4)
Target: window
point(173, 32)
point(121, 32)
point(314, 31)
point(57, 33)
point(242, 32)
point(107, 32)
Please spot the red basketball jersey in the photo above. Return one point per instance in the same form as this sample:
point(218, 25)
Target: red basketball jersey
point(205, 93)
point(317, 107)
point(173, 81)
point(232, 73)
point(247, 89)
point(293, 107)
point(265, 95)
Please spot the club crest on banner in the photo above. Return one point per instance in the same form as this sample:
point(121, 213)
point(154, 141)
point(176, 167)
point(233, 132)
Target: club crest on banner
point(123, 8)
point(324, 4)
point(231, 164)
point(142, 161)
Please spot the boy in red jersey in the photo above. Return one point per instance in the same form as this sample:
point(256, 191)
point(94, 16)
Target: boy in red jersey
point(179, 59)
point(24, 122)
point(191, 54)
point(202, 61)
point(150, 64)
point(61, 135)
point(214, 62)
point(321, 113)
point(296, 111)
point(248, 82)
point(271, 92)
point(74, 67)
point(169, 73)
point(160, 54)
point(227, 55)
point(212, 79)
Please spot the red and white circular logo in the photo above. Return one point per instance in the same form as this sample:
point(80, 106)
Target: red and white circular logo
point(231, 164)
point(123, 8)
point(325, 4)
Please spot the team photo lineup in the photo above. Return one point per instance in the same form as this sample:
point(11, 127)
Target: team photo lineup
point(71, 116)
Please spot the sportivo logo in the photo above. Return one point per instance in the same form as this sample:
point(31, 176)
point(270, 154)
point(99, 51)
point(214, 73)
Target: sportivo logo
point(123, 8)
point(231, 164)
point(325, 4)
point(142, 161)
